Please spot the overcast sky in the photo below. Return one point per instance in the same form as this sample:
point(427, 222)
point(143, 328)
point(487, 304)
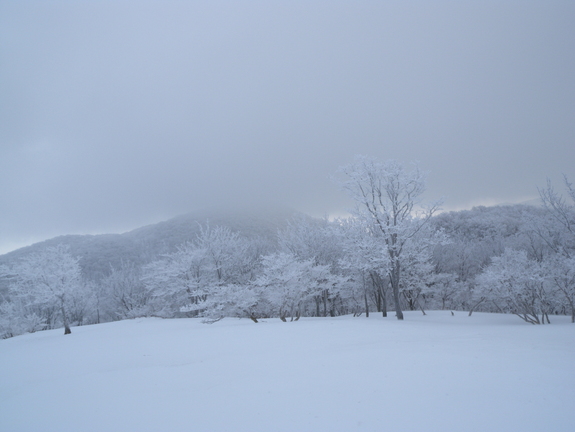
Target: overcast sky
point(118, 114)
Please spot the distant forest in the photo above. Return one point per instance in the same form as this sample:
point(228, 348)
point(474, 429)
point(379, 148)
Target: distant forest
point(392, 254)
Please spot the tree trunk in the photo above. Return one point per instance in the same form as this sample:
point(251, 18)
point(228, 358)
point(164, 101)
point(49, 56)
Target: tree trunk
point(380, 293)
point(475, 305)
point(571, 304)
point(366, 303)
point(383, 304)
point(398, 311)
point(421, 308)
point(65, 317)
point(394, 280)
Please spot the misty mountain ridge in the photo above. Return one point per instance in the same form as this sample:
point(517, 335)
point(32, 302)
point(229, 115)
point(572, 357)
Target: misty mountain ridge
point(100, 252)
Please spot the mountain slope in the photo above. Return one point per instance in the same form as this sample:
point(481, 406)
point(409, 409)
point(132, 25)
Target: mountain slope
point(98, 253)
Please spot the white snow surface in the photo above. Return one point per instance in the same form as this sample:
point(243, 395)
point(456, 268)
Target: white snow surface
point(487, 372)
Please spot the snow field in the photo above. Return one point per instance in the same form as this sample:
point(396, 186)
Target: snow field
point(437, 372)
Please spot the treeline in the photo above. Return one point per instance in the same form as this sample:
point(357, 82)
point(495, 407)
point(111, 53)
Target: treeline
point(393, 254)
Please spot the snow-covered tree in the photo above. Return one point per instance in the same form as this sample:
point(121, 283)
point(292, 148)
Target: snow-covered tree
point(16, 319)
point(516, 284)
point(366, 260)
point(180, 278)
point(230, 300)
point(389, 197)
point(418, 277)
point(446, 291)
point(560, 271)
point(82, 304)
point(123, 293)
point(226, 254)
point(309, 238)
point(557, 232)
point(315, 240)
point(287, 283)
point(198, 269)
point(49, 279)
point(562, 212)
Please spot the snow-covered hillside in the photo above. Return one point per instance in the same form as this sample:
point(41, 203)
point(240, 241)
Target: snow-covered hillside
point(429, 373)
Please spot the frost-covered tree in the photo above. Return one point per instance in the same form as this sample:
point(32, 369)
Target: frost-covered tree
point(366, 261)
point(418, 277)
point(49, 279)
point(309, 238)
point(180, 278)
point(82, 304)
point(16, 319)
point(557, 232)
point(123, 293)
point(446, 291)
point(475, 237)
point(228, 256)
point(389, 197)
point(288, 283)
point(198, 269)
point(516, 284)
point(230, 300)
point(285, 287)
point(561, 235)
point(422, 284)
point(318, 241)
point(560, 271)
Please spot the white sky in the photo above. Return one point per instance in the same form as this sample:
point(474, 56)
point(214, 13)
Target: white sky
point(117, 114)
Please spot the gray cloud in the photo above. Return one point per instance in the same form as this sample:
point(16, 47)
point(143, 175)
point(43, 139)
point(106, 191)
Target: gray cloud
point(116, 114)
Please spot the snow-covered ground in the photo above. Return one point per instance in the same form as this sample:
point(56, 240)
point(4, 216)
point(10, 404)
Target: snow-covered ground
point(429, 373)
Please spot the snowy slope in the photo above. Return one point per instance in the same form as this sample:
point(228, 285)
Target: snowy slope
point(429, 373)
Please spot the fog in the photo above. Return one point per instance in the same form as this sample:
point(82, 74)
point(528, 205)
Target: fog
point(118, 114)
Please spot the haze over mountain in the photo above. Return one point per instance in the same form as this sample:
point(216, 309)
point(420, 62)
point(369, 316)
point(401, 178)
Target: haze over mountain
point(99, 253)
